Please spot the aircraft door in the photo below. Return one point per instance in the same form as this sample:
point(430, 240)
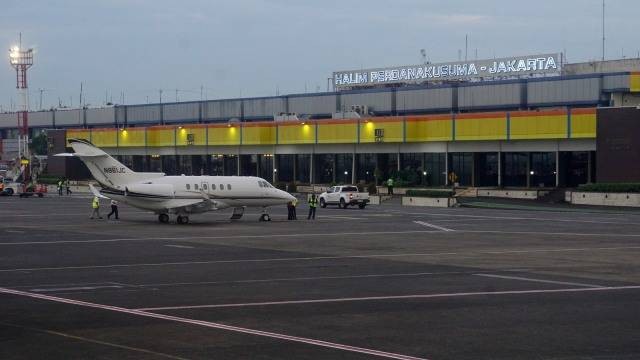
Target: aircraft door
point(205, 187)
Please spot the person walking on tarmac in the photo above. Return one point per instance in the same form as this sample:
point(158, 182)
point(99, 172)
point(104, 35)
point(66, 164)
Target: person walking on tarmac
point(390, 186)
point(114, 210)
point(66, 185)
point(95, 204)
point(294, 203)
point(60, 187)
point(313, 203)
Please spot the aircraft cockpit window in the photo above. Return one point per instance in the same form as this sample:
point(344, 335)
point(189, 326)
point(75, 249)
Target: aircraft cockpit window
point(188, 187)
point(260, 184)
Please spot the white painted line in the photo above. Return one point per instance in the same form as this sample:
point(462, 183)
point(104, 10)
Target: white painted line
point(538, 280)
point(392, 297)
point(213, 325)
point(433, 226)
point(80, 338)
point(299, 235)
point(15, 231)
point(345, 277)
point(519, 218)
point(180, 246)
point(315, 258)
point(76, 288)
point(340, 217)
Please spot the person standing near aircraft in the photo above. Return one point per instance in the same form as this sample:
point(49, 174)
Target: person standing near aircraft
point(313, 203)
point(390, 186)
point(95, 205)
point(290, 210)
point(60, 187)
point(114, 210)
point(66, 185)
point(294, 203)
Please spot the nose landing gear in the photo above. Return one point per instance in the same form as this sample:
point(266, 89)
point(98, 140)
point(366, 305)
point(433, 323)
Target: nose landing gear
point(265, 216)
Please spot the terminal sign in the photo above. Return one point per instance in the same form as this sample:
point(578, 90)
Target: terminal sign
point(504, 67)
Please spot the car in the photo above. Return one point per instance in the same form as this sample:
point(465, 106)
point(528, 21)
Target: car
point(344, 196)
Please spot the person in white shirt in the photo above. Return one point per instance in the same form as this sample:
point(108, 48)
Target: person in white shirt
point(114, 209)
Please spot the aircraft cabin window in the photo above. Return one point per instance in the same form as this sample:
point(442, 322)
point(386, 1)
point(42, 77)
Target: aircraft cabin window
point(204, 186)
point(221, 187)
point(195, 186)
point(188, 187)
point(213, 186)
point(228, 186)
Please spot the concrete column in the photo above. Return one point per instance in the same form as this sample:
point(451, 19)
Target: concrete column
point(274, 164)
point(399, 167)
point(353, 168)
point(589, 164)
point(446, 166)
point(557, 168)
point(473, 169)
point(238, 162)
point(423, 166)
point(295, 168)
point(311, 171)
point(334, 167)
point(528, 170)
point(258, 158)
point(499, 168)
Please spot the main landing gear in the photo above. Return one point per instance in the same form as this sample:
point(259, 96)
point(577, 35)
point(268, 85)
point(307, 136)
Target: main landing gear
point(182, 219)
point(164, 219)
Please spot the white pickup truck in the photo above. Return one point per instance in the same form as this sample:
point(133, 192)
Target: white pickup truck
point(343, 196)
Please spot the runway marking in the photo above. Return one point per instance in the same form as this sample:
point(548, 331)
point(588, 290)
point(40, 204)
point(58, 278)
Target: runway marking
point(15, 231)
point(218, 237)
point(393, 297)
point(249, 281)
point(213, 325)
point(433, 226)
point(180, 246)
point(340, 217)
point(76, 288)
point(314, 258)
point(57, 333)
point(521, 218)
point(538, 280)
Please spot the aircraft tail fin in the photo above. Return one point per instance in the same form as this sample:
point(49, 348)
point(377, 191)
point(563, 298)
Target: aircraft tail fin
point(108, 171)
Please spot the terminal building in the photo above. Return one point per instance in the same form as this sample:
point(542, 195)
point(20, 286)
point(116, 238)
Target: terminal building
point(516, 122)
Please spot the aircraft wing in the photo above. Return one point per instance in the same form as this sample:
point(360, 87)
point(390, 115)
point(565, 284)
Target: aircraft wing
point(191, 206)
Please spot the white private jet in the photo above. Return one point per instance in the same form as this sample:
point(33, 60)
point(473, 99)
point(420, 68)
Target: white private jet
point(180, 195)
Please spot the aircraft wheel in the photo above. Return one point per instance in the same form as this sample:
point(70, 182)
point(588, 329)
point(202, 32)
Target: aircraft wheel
point(163, 218)
point(265, 217)
point(182, 219)
point(323, 204)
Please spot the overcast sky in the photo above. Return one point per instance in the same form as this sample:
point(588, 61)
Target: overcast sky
point(258, 47)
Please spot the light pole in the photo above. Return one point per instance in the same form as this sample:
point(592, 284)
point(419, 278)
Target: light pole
point(21, 60)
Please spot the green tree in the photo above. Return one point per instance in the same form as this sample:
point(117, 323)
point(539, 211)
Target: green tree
point(39, 144)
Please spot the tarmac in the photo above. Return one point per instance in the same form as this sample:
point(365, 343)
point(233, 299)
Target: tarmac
point(384, 282)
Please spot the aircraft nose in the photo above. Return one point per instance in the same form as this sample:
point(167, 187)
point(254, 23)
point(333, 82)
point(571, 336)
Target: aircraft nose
point(286, 196)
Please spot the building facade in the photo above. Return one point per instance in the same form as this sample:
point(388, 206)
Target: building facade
point(535, 132)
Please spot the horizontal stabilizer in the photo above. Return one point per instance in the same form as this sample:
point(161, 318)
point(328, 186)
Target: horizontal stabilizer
point(96, 192)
